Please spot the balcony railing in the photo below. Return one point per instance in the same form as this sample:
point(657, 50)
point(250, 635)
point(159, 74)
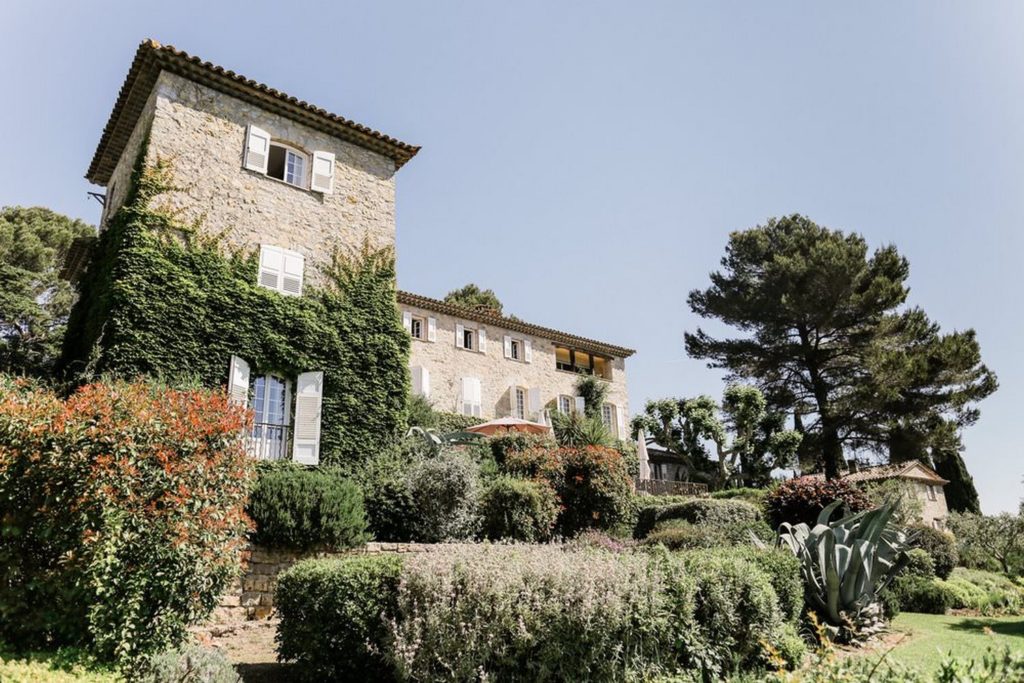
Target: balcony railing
point(269, 441)
point(667, 487)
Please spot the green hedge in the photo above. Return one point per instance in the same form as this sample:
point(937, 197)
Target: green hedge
point(940, 545)
point(334, 616)
point(696, 511)
point(920, 594)
point(518, 510)
point(303, 508)
point(538, 612)
point(160, 299)
point(680, 535)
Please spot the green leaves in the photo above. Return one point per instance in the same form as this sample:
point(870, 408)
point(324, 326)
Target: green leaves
point(845, 564)
point(823, 337)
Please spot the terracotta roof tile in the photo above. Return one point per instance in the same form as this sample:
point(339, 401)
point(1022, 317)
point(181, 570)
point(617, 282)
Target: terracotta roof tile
point(903, 469)
point(151, 58)
point(514, 324)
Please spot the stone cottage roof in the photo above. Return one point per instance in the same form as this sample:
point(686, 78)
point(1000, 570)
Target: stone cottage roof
point(151, 58)
point(904, 470)
point(514, 324)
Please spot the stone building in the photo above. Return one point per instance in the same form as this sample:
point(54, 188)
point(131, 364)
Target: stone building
point(273, 175)
point(923, 481)
point(478, 363)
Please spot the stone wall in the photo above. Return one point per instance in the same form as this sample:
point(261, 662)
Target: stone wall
point(203, 133)
point(448, 364)
point(252, 595)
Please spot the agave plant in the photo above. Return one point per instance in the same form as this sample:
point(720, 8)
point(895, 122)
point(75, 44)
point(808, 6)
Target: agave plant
point(846, 563)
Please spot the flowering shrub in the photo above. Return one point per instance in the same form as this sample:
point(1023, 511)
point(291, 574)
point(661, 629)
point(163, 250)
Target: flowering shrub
point(802, 499)
point(296, 507)
point(592, 483)
point(528, 613)
point(121, 514)
point(518, 509)
point(538, 612)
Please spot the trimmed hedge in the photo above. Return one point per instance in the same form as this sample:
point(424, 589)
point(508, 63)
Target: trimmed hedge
point(696, 511)
point(681, 535)
point(519, 510)
point(920, 594)
point(300, 508)
point(538, 612)
point(334, 616)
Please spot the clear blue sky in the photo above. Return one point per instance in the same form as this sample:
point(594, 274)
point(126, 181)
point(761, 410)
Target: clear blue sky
point(588, 160)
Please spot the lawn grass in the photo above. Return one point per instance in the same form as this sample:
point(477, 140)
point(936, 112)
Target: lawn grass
point(53, 667)
point(930, 636)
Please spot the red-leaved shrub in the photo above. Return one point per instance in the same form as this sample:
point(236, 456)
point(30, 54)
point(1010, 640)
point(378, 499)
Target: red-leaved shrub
point(121, 514)
point(802, 500)
point(593, 483)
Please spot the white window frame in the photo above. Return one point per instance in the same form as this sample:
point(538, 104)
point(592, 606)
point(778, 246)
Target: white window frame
point(514, 351)
point(260, 442)
point(290, 151)
point(421, 322)
point(566, 404)
point(520, 403)
point(609, 417)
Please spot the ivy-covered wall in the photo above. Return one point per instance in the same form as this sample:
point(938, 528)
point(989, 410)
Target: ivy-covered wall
point(160, 298)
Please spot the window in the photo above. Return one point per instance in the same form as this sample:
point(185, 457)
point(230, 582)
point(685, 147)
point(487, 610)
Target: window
point(416, 328)
point(289, 164)
point(657, 471)
point(932, 495)
point(519, 409)
point(270, 435)
point(270, 398)
point(281, 269)
point(471, 339)
point(472, 403)
point(565, 404)
point(608, 417)
point(582, 362)
point(518, 349)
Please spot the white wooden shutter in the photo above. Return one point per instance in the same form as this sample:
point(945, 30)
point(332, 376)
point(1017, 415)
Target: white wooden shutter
point(238, 381)
point(534, 405)
point(431, 329)
point(309, 391)
point(581, 405)
point(323, 172)
point(291, 272)
point(508, 346)
point(481, 335)
point(527, 351)
point(460, 336)
point(420, 381)
point(257, 149)
point(471, 396)
point(271, 266)
point(621, 418)
point(407, 321)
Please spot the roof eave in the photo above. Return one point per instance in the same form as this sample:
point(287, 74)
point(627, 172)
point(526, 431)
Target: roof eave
point(515, 325)
point(151, 58)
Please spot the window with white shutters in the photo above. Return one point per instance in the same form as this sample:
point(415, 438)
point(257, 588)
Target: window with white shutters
point(281, 269)
point(420, 381)
point(565, 404)
point(287, 163)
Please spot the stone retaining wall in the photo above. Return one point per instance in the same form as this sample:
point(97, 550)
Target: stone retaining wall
point(252, 595)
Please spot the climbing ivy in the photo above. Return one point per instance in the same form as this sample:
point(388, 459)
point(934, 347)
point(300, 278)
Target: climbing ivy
point(163, 299)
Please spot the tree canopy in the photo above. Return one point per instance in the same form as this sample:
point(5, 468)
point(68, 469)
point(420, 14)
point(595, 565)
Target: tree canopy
point(826, 336)
point(471, 296)
point(749, 439)
point(34, 302)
